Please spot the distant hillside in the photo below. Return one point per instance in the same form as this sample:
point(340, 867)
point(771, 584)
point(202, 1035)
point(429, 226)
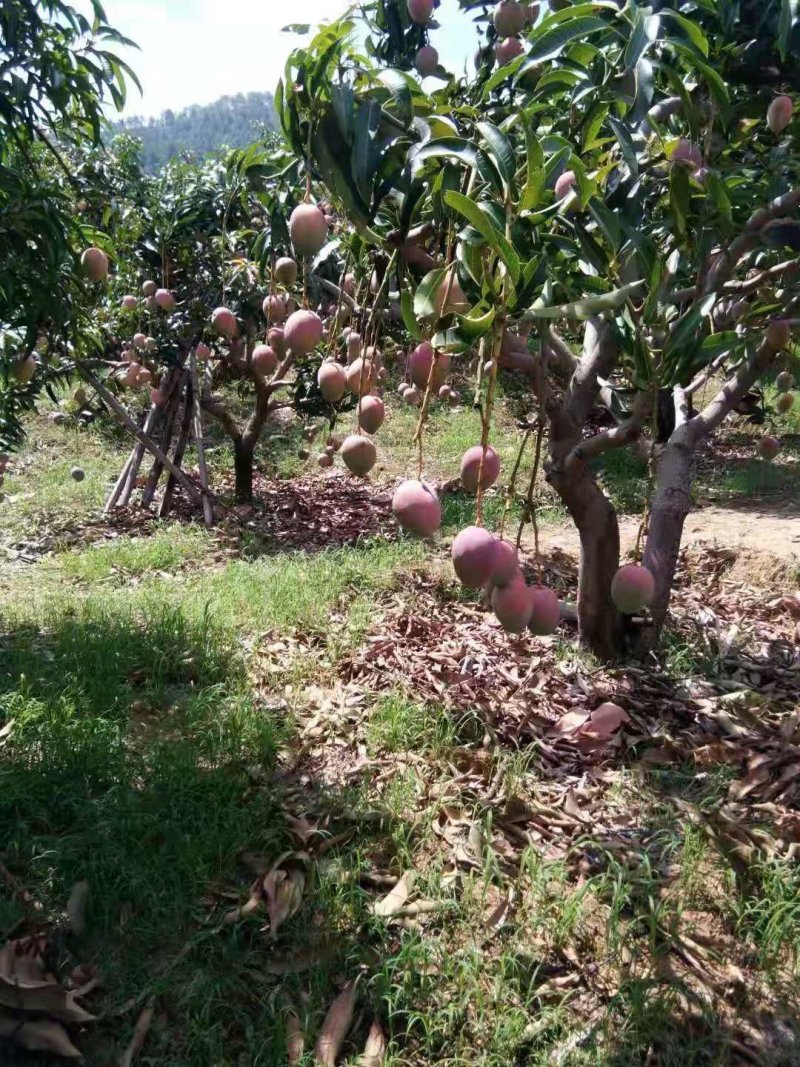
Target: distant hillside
point(231, 121)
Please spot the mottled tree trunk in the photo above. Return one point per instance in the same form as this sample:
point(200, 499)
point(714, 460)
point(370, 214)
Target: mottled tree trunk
point(599, 622)
point(667, 517)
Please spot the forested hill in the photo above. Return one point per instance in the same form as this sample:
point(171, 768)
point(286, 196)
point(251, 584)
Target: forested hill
point(232, 121)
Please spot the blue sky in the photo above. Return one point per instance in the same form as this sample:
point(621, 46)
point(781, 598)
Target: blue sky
point(193, 51)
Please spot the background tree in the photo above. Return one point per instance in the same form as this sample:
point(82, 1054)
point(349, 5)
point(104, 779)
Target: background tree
point(57, 72)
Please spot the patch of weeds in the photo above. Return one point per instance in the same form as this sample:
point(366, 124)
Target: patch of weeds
point(398, 723)
point(299, 590)
point(683, 655)
point(110, 652)
point(768, 911)
point(39, 493)
point(167, 548)
point(706, 788)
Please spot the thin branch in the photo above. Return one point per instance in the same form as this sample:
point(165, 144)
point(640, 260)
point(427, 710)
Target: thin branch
point(739, 384)
point(616, 437)
point(725, 264)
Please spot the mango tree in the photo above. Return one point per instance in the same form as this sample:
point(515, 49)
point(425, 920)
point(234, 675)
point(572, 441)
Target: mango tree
point(609, 209)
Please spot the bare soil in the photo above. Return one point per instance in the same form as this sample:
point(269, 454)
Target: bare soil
point(745, 530)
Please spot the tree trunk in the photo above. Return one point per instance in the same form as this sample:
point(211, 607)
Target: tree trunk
point(243, 450)
point(667, 517)
point(599, 622)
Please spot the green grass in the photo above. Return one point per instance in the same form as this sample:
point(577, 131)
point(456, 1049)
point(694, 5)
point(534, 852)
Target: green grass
point(165, 548)
point(40, 495)
point(399, 724)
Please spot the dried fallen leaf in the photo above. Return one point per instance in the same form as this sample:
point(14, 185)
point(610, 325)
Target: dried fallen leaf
point(283, 893)
point(39, 1035)
point(572, 721)
point(396, 899)
point(26, 986)
point(249, 908)
point(334, 1028)
point(375, 1049)
point(604, 721)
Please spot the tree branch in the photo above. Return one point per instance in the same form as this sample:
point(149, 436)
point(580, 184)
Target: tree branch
point(740, 383)
point(600, 351)
point(725, 264)
point(217, 410)
point(615, 437)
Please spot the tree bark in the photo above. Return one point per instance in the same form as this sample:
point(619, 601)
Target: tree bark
point(599, 622)
point(667, 517)
point(243, 450)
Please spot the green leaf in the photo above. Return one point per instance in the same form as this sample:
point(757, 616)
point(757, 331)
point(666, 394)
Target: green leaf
point(684, 335)
point(366, 153)
point(584, 309)
point(790, 12)
point(691, 29)
point(477, 322)
point(552, 42)
point(464, 151)
point(593, 122)
point(486, 228)
point(535, 181)
point(645, 31)
point(501, 151)
point(427, 290)
point(409, 319)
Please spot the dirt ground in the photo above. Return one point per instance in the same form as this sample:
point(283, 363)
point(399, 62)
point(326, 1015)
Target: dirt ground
point(741, 529)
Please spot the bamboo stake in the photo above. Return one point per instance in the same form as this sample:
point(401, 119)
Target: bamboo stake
point(180, 449)
point(208, 511)
point(147, 442)
point(135, 458)
point(170, 414)
point(150, 427)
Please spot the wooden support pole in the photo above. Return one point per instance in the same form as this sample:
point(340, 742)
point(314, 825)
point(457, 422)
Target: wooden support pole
point(146, 442)
point(180, 449)
point(208, 511)
point(170, 411)
point(150, 427)
point(136, 451)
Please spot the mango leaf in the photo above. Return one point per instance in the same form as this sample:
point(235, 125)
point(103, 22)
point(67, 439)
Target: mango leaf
point(535, 181)
point(427, 290)
point(366, 153)
point(335, 1027)
point(409, 319)
point(477, 322)
point(645, 31)
point(486, 228)
point(594, 120)
point(684, 334)
point(790, 13)
point(501, 150)
point(463, 151)
point(584, 309)
point(692, 30)
point(551, 43)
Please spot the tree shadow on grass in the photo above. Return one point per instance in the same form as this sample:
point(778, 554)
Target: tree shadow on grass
point(138, 759)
